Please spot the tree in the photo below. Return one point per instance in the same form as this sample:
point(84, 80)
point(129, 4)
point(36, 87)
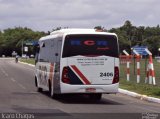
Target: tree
point(130, 36)
point(11, 39)
point(100, 28)
point(124, 43)
point(153, 44)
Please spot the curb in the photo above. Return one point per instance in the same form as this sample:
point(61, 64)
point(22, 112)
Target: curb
point(26, 63)
point(126, 92)
point(139, 96)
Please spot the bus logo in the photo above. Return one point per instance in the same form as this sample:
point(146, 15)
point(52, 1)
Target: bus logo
point(88, 43)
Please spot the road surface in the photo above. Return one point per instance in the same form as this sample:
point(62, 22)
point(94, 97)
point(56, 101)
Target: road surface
point(18, 95)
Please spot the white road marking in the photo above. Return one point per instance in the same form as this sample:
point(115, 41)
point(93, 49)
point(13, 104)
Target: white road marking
point(21, 86)
point(4, 73)
point(29, 69)
point(12, 79)
point(2, 70)
point(22, 66)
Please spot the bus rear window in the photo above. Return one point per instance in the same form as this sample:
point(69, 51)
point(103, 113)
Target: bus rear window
point(90, 45)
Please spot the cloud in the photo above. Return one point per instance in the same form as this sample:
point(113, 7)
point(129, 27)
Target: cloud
point(44, 15)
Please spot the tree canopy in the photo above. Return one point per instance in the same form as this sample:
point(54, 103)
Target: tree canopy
point(129, 35)
point(11, 39)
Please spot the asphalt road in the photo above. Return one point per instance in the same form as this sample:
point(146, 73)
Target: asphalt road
point(18, 95)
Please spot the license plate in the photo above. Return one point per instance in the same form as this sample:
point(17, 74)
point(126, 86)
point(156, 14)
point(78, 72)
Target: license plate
point(90, 90)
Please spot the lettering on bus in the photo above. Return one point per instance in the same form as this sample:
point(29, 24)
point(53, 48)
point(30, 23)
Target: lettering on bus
point(106, 74)
point(91, 61)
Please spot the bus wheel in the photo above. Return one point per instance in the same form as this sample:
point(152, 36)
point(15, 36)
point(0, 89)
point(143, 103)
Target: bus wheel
point(39, 89)
point(51, 92)
point(97, 96)
point(36, 84)
point(36, 81)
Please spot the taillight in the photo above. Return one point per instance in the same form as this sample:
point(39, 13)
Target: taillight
point(65, 78)
point(116, 75)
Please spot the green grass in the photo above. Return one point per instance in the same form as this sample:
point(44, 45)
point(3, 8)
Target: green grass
point(144, 89)
point(30, 61)
point(140, 88)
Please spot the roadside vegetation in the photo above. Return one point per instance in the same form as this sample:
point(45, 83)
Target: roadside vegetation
point(29, 60)
point(11, 39)
point(142, 87)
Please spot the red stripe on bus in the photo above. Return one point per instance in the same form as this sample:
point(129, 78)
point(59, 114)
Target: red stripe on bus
point(80, 74)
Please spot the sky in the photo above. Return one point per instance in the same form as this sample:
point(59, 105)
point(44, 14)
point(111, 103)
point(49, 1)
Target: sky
point(45, 15)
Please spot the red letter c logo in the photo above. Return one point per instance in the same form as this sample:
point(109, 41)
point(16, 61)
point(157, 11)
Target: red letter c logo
point(89, 42)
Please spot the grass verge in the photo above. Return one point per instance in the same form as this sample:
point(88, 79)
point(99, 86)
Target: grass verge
point(144, 89)
point(30, 61)
point(141, 88)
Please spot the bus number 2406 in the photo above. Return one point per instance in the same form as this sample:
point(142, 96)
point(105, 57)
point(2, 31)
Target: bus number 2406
point(106, 74)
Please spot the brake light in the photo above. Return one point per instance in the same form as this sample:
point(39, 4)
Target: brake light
point(116, 75)
point(65, 78)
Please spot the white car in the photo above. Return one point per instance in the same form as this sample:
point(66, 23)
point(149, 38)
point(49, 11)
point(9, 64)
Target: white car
point(32, 56)
point(24, 56)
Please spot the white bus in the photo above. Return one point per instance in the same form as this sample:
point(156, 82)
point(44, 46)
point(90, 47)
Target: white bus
point(78, 61)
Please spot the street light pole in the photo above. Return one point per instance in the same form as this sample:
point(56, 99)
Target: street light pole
point(22, 47)
point(159, 51)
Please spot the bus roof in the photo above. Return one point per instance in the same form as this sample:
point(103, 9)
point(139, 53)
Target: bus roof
point(77, 30)
point(61, 32)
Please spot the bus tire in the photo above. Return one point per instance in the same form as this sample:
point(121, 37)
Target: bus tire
point(36, 81)
point(51, 92)
point(96, 96)
point(36, 84)
point(39, 89)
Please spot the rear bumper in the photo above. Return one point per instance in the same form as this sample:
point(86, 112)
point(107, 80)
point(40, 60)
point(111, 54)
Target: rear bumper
point(67, 88)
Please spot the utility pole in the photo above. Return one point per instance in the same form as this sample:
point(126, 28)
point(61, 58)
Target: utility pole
point(22, 47)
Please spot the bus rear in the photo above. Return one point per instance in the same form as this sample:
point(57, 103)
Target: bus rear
point(90, 63)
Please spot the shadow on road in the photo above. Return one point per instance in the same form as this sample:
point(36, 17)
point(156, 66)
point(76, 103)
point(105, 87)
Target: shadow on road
point(81, 99)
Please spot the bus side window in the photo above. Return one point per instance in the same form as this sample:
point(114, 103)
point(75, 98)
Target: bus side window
point(43, 53)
